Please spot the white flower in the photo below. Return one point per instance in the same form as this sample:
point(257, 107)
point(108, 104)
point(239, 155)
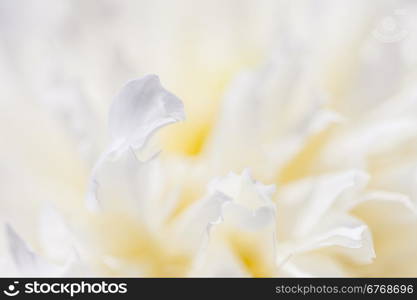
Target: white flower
point(322, 112)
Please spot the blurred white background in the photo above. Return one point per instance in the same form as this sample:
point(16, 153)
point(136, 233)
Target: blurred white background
point(61, 63)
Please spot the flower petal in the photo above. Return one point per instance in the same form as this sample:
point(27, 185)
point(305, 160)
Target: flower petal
point(26, 261)
point(54, 235)
point(28, 264)
point(339, 234)
point(312, 265)
point(318, 195)
point(246, 227)
point(141, 108)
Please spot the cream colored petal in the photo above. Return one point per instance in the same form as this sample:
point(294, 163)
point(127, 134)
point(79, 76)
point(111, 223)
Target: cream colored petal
point(337, 235)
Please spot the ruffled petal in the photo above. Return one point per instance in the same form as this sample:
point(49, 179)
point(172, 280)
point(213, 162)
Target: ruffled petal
point(245, 225)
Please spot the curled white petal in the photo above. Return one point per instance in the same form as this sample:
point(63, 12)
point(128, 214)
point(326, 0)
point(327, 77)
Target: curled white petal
point(141, 108)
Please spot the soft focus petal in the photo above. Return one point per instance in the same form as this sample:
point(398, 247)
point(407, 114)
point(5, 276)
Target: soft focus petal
point(26, 261)
point(55, 237)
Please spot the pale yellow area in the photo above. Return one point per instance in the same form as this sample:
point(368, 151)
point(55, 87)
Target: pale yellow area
point(302, 162)
point(122, 237)
point(249, 248)
point(188, 196)
point(201, 82)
